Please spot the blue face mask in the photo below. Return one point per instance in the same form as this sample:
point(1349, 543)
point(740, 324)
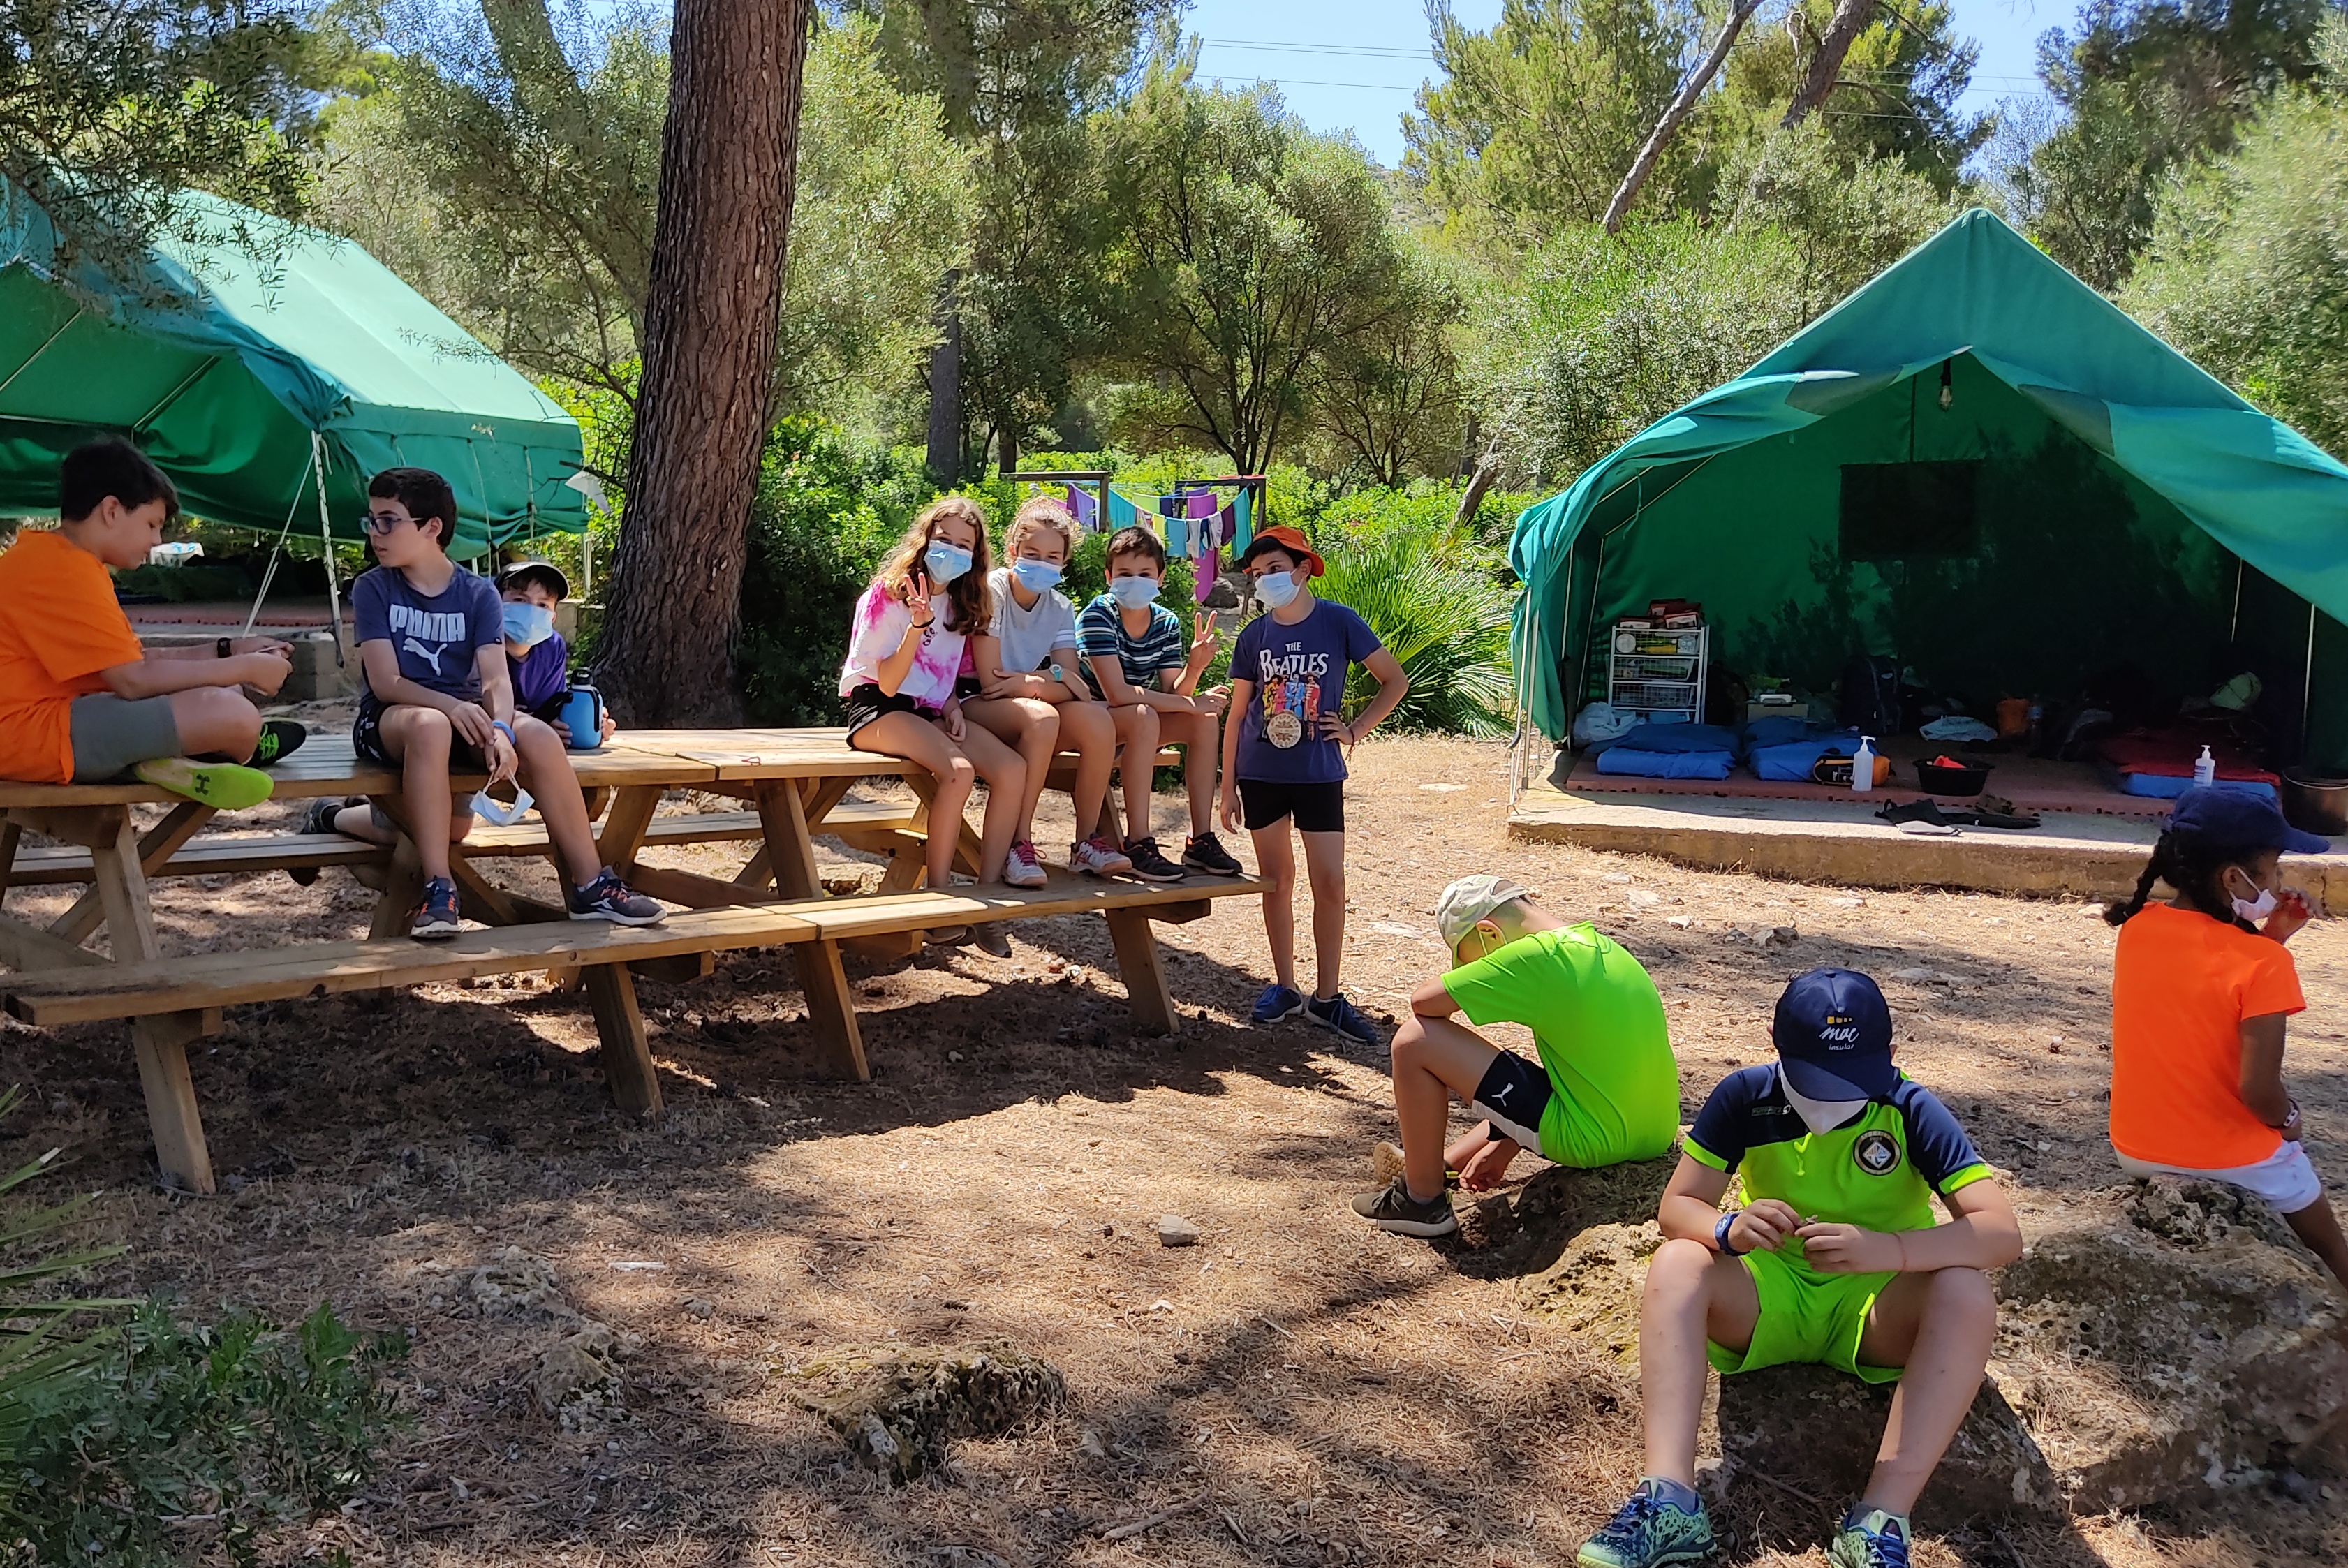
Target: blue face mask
point(529, 624)
point(1133, 593)
point(1276, 588)
point(1035, 576)
point(945, 561)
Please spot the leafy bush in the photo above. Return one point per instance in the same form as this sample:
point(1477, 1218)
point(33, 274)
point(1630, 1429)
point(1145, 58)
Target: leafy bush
point(1423, 513)
point(181, 1439)
point(1447, 623)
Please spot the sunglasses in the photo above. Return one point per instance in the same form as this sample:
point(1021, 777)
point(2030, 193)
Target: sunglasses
point(381, 522)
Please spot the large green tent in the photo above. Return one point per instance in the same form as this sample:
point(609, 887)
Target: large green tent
point(249, 372)
point(2121, 506)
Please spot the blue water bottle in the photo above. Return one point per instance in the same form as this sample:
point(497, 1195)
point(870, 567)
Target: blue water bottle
point(582, 716)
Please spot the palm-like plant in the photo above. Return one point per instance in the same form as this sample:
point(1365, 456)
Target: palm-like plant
point(1448, 625)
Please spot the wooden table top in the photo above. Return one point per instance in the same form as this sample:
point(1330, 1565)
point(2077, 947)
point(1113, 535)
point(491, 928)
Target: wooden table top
point(326, 766)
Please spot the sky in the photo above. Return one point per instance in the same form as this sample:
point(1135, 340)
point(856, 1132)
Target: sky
point(1356, 65)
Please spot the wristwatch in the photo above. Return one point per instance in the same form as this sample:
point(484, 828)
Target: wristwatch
point(1720, 1234)
point(220, 649)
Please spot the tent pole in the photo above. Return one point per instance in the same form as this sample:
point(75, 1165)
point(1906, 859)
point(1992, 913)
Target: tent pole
point(2307, 682)
point(326, 543)
point(2234, 626)
point(269, 573)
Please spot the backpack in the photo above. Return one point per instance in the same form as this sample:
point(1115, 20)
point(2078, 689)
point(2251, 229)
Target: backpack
point(1871, 695)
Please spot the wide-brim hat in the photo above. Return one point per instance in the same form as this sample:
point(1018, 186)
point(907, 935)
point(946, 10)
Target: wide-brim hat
point(1289, 540)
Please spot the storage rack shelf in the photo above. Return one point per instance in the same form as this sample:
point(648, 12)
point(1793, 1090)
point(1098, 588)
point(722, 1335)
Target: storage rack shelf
point(1658, 675)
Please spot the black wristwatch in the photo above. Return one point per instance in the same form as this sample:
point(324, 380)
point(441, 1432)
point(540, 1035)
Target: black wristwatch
point(221, 648)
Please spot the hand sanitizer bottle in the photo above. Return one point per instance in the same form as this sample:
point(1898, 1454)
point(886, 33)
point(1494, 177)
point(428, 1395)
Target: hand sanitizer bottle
point(2205, 770)
point(1862, 767)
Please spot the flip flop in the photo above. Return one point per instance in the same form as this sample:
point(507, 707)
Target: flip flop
point(225, 786)
point(1914, 811)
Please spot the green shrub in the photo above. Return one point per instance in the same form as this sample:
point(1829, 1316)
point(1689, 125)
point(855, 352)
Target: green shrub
point(1447, 623)
point(1423, 513)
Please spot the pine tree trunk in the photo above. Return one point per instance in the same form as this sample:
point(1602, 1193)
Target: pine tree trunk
point(728, 156)
point(945, 387)
point(1681, 104)
point(1849, 20)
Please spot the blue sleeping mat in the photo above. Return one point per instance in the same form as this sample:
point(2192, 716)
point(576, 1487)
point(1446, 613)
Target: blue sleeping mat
point(2164, 787)
point(1792, 762)
point(1628, 761)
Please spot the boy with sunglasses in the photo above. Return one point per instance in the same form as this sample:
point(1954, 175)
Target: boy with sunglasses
point(437, 699)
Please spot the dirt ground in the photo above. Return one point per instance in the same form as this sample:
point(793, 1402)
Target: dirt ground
point(1294, 1389)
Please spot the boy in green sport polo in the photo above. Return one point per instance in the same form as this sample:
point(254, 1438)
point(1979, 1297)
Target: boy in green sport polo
point(1835, 1258)
point(1606, 1090)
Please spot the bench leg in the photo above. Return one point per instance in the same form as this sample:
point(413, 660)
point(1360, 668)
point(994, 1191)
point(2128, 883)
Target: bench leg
point(831, 1009)
point(1145, 976)
point(161, 1045)
point(620, 1025)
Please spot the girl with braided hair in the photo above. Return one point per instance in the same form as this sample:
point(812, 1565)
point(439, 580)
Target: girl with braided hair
point(2199, 995)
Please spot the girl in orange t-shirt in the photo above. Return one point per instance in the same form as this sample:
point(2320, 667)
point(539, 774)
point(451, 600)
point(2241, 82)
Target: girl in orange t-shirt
point(2198, 998)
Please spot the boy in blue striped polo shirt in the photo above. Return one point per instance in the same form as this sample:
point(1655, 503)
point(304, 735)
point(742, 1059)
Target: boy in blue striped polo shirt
point(1833, 1257)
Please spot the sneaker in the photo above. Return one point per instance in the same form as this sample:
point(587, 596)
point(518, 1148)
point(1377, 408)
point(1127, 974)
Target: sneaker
point(1648, 1530)
point(1341, 1016)
point(1021, 868)
point(280, 739)
point(224, 786)
point(1878, 1540)
point(317, 816)
point(1387, 1163)
point(436, 919)
point(608, 898)
point(1099, 856)
point(1149, 864)
point(1392, 1208)
point(1277, 1002)
point(1205, 852)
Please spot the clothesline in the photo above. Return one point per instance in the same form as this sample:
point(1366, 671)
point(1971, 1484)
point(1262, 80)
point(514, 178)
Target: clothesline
point(1193, 521)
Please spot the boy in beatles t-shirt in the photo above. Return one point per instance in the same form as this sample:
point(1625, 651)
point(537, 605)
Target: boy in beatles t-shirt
point(1281, 762)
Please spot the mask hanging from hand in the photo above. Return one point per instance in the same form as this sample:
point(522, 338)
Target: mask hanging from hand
point(529, 624)
point(945, 561)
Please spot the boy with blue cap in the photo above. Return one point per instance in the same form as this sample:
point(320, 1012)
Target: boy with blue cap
point(2200, 993)
point(1834, 1257)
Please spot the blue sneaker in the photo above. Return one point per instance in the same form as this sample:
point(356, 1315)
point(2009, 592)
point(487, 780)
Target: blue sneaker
point(436, 919)
point(1277, 1002)
point(1875, 1540)
point(1341, 1016)
point(1648, 1530)
point(608, 898)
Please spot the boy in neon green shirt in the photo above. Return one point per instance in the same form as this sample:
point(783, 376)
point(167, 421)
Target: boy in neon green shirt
point(1606, 1089)
point(1835, 1257)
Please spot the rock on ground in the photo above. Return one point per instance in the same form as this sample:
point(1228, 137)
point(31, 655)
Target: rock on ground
point(900, 1409)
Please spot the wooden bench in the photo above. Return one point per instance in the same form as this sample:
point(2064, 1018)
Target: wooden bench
point(811, 927)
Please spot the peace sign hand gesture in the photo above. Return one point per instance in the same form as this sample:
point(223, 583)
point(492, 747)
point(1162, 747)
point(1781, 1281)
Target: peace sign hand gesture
point(917, 602)
point(1204, 635)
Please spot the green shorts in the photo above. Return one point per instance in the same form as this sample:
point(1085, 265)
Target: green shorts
point(1805, 1318)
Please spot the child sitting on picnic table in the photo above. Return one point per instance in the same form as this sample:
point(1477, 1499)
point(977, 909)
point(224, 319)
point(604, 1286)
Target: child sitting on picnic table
point(1031, 697)
point(1134, 661)
point(538, 660)
point(904, 653)
point(2199, 996)
point(1606, 1090)
point(1833, 1257)
point(431, 644)
point(80, 699)
point(1281, 763)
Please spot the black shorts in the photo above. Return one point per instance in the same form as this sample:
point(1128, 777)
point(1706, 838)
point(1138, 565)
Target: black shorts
point(1317, 808)
point(1511, 1095)
point(869, 702)
point(366, 740)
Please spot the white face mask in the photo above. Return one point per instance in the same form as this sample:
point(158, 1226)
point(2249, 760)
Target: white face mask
point(1819, 1115)
point(2257, 908)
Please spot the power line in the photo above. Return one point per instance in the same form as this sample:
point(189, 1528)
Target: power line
point(1355, 49)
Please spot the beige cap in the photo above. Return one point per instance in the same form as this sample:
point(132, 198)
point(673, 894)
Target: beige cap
point(1470, 900)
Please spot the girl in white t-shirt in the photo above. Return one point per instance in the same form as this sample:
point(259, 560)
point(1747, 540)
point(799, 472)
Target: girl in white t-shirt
point(904, 652)
point(1031, 695)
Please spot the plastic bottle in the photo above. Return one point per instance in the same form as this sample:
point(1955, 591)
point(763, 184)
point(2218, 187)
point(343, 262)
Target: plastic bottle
point(2205, 770)
point(1862, 767)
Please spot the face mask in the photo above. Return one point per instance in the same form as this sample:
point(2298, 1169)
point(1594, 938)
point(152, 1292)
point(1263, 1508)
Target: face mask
point(1820, 1116)
point(945, 561)
point(2257, 908)
point(1276, 588)
point(1133, 593)
point(1035, 576)
point(529, 624)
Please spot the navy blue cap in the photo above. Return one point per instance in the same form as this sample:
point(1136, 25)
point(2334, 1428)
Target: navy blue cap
point(2221, 819)
point(1833, 1031)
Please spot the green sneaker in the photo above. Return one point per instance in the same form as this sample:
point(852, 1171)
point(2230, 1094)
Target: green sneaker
point(1647, 1531)
point(1877, 1540)
point(224, 786)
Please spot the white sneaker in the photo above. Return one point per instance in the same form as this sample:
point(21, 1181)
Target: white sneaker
point(1021, 868)
point(1098, 857)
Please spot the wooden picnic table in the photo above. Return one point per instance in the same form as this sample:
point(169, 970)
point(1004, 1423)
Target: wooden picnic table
point(794, 779)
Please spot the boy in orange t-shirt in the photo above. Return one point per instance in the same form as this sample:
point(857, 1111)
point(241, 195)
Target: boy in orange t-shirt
point(80, 699)
point(2198, 999)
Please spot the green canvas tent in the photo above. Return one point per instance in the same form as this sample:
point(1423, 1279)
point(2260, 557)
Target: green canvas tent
point(250, 380)
point(2119, 505)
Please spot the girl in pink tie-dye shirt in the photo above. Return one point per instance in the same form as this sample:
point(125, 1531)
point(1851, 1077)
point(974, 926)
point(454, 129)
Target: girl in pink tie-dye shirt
point(907, 647)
